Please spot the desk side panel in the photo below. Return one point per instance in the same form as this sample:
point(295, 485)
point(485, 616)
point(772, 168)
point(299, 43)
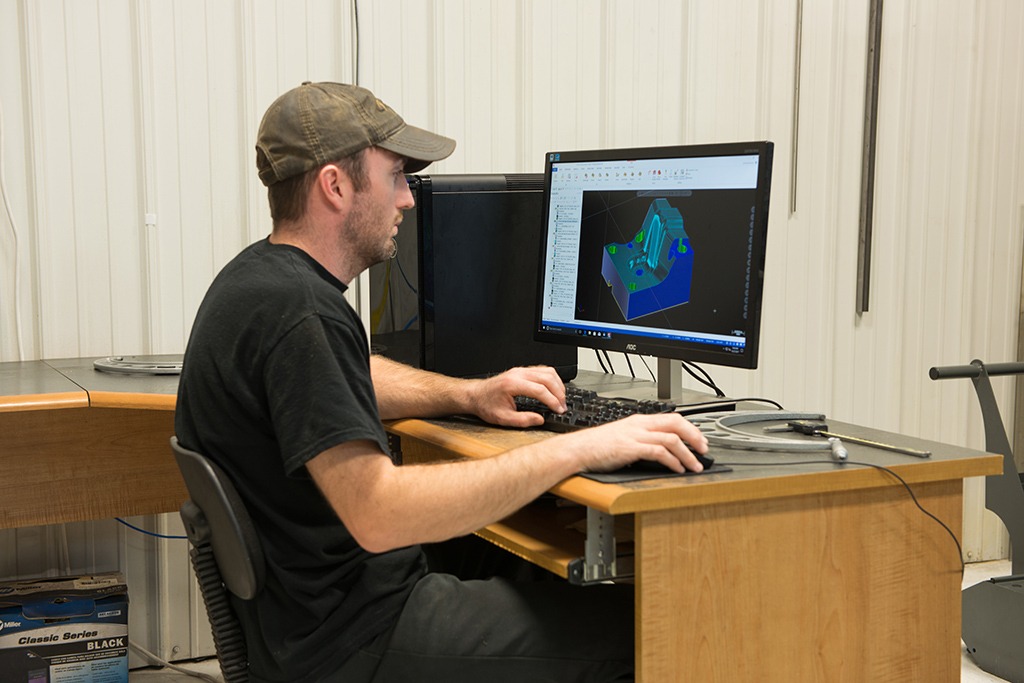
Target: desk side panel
point(847, 586)
point(86, 463)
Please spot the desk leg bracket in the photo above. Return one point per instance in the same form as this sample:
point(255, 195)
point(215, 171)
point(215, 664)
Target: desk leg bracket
point(599, 561)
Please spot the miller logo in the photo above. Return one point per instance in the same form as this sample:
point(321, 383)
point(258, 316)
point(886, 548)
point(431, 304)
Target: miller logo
point(9, 624)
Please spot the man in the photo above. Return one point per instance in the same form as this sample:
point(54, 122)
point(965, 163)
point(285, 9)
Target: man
point(280, 390)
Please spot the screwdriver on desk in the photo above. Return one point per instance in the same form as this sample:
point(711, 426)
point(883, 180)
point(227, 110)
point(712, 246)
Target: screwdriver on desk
point(813, 428)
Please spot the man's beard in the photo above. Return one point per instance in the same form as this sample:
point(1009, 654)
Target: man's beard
point(366, 224)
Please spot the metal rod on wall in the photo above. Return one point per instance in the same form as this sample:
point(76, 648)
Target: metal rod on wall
point(867, 191)
point(795, 132)
point(1018, 404)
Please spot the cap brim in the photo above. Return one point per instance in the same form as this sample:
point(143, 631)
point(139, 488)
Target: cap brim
point(420, 147)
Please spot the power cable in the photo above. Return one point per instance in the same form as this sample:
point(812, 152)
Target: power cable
point(14, 233)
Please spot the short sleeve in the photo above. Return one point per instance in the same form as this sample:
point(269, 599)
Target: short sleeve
point(319, 390)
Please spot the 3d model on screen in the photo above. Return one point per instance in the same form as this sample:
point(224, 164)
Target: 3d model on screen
point(653, 271)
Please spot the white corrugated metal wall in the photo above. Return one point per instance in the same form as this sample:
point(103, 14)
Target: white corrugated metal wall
point(127, 151)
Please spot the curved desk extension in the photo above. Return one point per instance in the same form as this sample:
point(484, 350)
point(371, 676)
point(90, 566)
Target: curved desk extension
point(77, 444)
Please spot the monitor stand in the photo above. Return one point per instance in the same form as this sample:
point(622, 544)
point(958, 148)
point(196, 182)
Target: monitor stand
point(670, 379)
point(670, 388)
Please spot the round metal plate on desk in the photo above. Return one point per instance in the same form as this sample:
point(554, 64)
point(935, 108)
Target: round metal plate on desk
point(139, 365)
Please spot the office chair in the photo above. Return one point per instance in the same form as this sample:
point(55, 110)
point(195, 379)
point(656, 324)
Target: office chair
point(226, 554)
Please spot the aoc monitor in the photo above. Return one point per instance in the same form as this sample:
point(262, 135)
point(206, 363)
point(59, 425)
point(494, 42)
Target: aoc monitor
point(656, 250)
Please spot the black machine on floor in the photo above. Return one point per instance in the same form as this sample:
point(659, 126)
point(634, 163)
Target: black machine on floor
point(993, 610)
point(458, 298)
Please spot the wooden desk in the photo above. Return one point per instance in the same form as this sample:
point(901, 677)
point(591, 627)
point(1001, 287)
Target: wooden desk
point(778, 572)
point(771, 572)
point(77, 444)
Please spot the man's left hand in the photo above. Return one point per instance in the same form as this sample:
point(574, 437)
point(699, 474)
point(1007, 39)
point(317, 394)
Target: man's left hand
point(493, 399)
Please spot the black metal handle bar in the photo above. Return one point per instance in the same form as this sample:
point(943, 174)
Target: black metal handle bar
point(974, 369)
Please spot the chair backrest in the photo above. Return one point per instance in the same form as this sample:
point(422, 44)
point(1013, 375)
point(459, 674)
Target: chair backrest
point(226, 554)
point(232, 536)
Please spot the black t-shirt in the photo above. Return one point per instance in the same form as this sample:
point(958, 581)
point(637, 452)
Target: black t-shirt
point(277, 371)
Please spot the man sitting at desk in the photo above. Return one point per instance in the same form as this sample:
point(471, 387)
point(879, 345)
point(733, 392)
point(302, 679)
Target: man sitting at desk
point(279, 389)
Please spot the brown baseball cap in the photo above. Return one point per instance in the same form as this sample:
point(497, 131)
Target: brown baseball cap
point(317, 123)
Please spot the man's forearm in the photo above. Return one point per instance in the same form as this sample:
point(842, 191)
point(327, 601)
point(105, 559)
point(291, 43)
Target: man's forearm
point(401, 506)
point(404, 391)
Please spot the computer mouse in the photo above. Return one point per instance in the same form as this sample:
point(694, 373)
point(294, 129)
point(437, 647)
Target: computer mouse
point(704, 459)
point(654, 466)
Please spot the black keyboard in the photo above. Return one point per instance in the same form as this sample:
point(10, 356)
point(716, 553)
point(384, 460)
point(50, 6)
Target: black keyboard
point(584, 408)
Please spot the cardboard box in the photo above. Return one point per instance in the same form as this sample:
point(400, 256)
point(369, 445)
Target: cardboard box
point(64, 630)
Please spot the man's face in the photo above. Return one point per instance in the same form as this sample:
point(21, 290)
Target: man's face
point(377, 209)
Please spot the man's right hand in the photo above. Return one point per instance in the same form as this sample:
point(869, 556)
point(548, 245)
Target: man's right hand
point(666, 438)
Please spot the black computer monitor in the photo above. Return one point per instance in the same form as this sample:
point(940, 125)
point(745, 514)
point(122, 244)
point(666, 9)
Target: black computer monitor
point(459, 296)
point(656, 250)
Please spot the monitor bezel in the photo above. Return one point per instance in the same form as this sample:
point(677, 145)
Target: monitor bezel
point(641, 344)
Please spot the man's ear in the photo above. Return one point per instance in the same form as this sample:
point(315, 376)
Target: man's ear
point(333, 185)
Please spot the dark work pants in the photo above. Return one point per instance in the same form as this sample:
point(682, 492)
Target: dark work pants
point(521, 625)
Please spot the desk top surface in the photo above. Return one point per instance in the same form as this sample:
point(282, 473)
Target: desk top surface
point(754, 475)
point(34, 385)
point(73, 382)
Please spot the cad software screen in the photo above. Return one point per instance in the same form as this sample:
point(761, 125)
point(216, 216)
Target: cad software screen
point(657, 250)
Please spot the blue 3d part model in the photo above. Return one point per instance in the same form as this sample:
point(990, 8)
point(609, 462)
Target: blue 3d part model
point(653, 271)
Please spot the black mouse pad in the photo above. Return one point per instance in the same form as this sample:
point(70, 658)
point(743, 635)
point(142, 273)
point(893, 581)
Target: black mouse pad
point(634, 473)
